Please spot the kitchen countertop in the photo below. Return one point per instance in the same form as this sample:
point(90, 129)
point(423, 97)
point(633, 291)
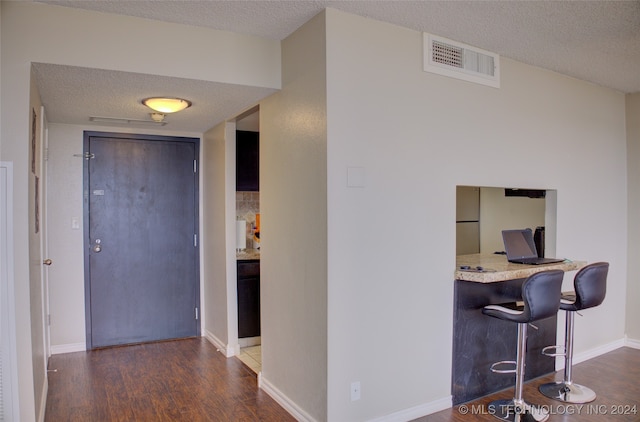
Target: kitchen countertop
point(497, 268)
point(247, 254)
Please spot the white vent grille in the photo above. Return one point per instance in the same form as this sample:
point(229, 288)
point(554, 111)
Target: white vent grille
point(456, 60)
point(447, 54)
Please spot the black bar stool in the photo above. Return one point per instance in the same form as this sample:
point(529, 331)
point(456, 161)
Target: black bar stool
point(541, 297)
point(590, 287)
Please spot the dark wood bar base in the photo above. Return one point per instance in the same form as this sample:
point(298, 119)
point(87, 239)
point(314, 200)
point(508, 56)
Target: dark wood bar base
point(480, 341)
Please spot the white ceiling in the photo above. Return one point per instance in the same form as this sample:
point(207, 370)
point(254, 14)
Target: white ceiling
point(596, 41)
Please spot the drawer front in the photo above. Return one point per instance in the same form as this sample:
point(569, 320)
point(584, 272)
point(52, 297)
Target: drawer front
point(248, 268)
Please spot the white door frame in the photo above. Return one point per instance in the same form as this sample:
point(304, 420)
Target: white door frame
point(44, 237)
point(8, 365)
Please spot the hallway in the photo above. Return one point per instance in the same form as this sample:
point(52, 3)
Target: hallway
point(183, 380)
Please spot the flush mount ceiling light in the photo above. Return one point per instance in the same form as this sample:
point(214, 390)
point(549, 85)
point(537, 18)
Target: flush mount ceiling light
point(166, 105)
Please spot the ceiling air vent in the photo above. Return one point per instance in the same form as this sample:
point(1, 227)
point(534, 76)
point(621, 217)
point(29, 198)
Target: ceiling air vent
point(456, 60)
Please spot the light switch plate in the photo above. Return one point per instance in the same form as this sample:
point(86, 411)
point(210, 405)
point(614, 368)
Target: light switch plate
point(355, 391)
point(355, 177)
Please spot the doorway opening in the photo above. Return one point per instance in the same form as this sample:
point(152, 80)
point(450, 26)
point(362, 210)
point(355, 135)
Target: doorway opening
point(248, 242)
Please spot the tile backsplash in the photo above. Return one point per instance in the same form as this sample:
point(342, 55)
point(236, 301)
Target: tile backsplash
point(247, 206)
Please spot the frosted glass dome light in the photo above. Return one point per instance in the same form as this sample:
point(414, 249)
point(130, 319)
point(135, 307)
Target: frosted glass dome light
point(166, 105)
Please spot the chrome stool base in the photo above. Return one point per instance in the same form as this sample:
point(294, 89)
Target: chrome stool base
point(507, 410)
point(568, 393)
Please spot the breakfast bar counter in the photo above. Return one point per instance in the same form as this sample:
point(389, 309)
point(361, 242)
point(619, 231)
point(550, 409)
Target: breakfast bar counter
point(478, 340)
point(491, 268)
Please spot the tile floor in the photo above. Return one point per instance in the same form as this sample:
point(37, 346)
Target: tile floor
point(252, 357)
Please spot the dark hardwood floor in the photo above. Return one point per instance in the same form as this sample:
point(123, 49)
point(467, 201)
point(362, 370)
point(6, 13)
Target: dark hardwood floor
point(613, 376)
point(184, 380)
point(188, 380)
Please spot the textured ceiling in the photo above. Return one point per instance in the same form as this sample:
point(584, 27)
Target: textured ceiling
point(596, 41)
point(69, 95)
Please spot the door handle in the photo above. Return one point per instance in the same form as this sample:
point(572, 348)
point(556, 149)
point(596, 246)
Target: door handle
point(47, 261)
point(98, 246)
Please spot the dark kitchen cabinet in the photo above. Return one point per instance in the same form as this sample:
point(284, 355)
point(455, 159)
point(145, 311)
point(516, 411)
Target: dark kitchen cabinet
point(248, 298)
point(247, 161)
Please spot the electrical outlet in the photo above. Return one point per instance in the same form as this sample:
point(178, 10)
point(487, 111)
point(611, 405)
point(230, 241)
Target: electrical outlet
point(355, 391)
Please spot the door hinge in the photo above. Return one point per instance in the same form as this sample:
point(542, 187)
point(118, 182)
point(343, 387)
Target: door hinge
point(196, 313)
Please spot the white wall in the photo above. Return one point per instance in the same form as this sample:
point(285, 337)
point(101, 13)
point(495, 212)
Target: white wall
point(14, 147)
point(633, 162)
point(10, 407)
point(293, 220)
point(219, 275)
point(417, 136)
point(76, 37)
point(66, 244)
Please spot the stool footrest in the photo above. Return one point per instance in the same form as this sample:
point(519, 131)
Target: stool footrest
point(494, 367)
point(554, 351)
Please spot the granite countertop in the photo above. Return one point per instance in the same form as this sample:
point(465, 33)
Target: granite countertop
point(247, 254)
point(497, 268)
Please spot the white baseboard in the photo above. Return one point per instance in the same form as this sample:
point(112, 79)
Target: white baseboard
point(601, 350)
point(68, 348)
point(401, 416)
point(43, 401)
point(417, 411)
point(249, 341)
point(592, 353)
point(446, 402)
point(283, 400)
point(633, 343)
point(225, 349)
